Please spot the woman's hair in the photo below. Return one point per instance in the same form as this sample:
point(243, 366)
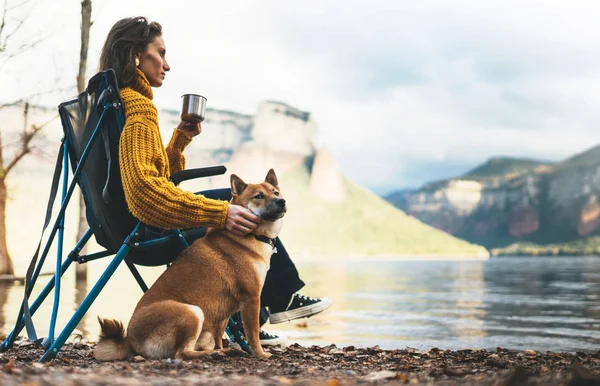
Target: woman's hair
point(127, 38)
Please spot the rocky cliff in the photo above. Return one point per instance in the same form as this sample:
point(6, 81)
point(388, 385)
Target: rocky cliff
point(507, 201)
point(278, 136)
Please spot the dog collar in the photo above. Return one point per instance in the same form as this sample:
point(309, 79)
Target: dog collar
point(266, 240)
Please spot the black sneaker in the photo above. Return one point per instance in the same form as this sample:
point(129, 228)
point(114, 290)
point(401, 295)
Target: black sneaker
point(267, 339)
point(300, 307)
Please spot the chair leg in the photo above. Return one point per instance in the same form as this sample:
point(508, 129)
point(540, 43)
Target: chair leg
point(59, 253)
point(8, 342)
point(234, 333)
point(137, 276)
point(85, 305)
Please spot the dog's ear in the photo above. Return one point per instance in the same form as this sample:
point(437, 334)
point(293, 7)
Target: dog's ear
point(271, 178)
point(237, 185)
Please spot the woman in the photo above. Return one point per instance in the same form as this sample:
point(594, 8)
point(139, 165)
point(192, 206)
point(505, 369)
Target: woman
point(135, 50)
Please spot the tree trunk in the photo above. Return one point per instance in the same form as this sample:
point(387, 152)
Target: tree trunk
point(86, 23)
point(6, 266)
point(29, 132)
point(81, 269)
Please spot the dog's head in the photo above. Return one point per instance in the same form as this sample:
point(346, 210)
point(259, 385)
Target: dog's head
point(264, 200)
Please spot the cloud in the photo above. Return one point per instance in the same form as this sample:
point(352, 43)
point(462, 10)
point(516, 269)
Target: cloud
point(400, 90)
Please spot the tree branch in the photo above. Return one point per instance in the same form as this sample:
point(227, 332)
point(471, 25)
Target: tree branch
point(19, 23)
point(3, 25)
point(27, 136)
point(9, 34)
point(31, 96)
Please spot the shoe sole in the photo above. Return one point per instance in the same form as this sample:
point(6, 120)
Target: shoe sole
point(302, 312)
point(273, 342)
point(265, 343)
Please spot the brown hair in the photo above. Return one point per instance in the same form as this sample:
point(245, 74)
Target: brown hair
point(127, 38)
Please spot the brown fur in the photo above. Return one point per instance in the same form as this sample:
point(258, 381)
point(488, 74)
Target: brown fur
point(113, 331)
point(185, 312)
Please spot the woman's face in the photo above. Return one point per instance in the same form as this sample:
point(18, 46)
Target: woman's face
point(153, 63)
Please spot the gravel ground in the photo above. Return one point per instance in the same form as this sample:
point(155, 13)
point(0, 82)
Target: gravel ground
point(298, 365)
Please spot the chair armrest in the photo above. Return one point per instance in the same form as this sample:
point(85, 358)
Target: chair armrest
point(189, 174)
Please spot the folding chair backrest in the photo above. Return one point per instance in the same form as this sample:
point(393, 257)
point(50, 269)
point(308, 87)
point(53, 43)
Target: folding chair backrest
point(99, 107)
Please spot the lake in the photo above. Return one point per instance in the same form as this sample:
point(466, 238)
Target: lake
point(517, 303)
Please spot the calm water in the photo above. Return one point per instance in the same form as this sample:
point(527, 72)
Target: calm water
point(519, 303)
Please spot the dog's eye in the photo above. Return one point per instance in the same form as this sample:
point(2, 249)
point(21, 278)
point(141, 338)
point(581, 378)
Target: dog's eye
point(276, 193)
point(259, 196)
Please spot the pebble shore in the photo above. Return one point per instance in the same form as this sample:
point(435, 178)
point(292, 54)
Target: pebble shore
point(298, 365)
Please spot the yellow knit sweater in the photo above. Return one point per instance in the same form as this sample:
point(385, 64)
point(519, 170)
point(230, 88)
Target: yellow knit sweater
point(146, 166)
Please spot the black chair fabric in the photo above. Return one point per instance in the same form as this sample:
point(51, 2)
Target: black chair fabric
point(106, 208)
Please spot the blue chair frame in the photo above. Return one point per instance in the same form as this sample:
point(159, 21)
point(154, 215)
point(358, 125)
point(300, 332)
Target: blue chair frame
point(102, 95)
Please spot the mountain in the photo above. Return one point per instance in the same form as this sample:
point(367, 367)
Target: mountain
point(328, 215)
point(503, 167)
point(516, 206)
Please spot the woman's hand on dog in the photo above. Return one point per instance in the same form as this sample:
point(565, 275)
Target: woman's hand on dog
point(240, 221)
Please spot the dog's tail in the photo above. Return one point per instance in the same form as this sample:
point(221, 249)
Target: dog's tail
point(113, 344)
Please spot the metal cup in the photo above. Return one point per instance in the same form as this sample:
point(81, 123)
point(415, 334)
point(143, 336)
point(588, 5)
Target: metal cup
point(193, 108)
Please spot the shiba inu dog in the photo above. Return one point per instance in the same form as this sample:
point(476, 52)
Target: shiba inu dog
point(185, 312)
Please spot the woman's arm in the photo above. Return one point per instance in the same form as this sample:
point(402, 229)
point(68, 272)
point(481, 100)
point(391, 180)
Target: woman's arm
point(182, 136)
point(174, 149)
point(150, 196)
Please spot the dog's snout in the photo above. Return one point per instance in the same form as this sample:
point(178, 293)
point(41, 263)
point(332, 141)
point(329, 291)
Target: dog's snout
point(280, 202)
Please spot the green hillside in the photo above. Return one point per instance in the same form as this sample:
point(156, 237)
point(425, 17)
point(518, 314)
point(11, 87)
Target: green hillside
point(362, 225)
point(583, 247)
point(503, 166)
point(588, 158)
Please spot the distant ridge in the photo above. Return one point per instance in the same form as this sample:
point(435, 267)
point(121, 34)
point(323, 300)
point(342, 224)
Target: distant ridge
point(517, 205)
point(588, 158)
point(502, 167)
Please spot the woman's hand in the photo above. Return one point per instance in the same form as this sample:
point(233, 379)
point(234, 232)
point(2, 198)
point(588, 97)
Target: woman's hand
point(190, 128)
point(240, 221)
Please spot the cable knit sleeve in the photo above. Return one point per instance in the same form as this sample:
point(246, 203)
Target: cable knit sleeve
point(145, 173)
point(151, 197)
point(175, 148)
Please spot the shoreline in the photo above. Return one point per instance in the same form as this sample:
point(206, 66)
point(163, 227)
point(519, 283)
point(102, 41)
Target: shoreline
point(298, 365)
point(429, 257)
point(399, 257)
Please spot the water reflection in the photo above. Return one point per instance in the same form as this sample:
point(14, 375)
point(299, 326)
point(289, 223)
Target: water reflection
point(519, 303)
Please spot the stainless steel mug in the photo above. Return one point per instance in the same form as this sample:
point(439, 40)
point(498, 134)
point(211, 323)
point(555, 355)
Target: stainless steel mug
point(193, 108)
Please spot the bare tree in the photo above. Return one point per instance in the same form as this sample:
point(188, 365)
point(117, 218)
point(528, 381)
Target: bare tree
point(7, 164)
point(9, 26)
point(86, 24)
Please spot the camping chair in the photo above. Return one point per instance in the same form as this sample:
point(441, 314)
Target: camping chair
point(92, 125)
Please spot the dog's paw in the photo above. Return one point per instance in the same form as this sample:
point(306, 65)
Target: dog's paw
point(265, 355)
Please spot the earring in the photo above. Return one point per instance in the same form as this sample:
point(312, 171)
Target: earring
point(137, 61)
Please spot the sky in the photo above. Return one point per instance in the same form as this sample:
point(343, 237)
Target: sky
point(402, 92)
